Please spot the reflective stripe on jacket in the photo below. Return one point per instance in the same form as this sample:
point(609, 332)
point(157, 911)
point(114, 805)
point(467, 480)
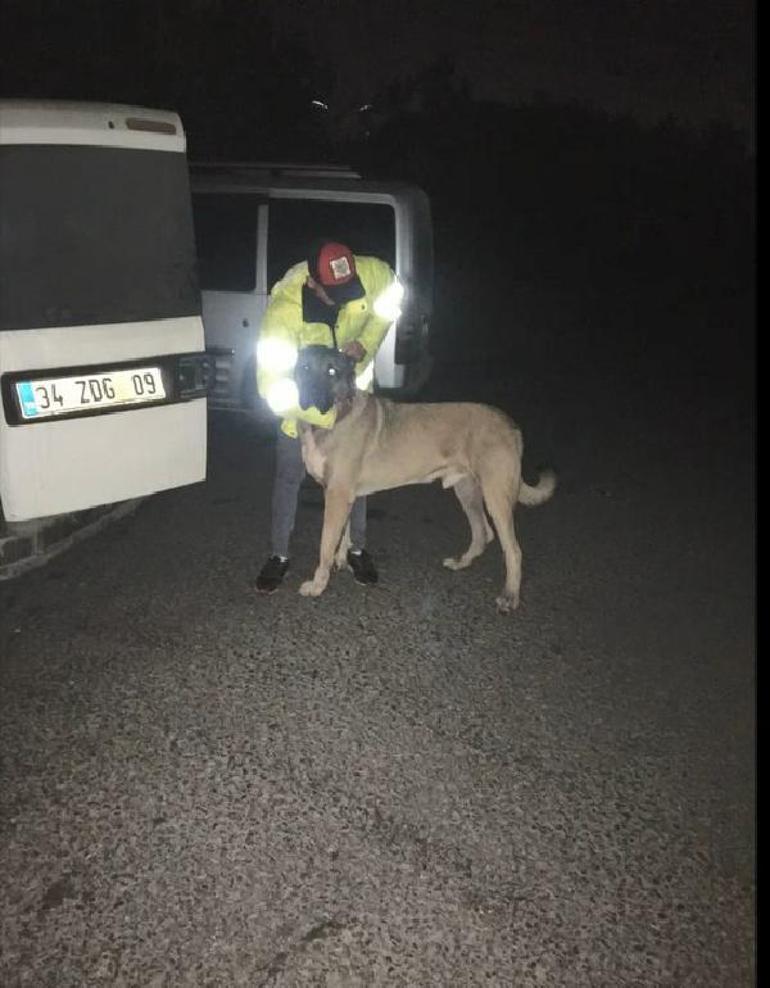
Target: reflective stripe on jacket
point(283, 332)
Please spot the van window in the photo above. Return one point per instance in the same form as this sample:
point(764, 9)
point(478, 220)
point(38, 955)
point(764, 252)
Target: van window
point(94, 235)
point(226, 237)
point(367, 228)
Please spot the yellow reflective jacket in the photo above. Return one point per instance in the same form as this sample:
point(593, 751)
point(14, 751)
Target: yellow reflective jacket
point(357, 320)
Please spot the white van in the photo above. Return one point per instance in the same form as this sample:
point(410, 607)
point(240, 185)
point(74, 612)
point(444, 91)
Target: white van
point(253, 221)
point(103, 373)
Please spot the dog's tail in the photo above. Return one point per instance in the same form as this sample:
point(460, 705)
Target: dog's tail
point(542, 490)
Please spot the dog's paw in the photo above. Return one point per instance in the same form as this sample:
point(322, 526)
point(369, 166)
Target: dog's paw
point(506, 604)
point(311, 589)
point(451, 563)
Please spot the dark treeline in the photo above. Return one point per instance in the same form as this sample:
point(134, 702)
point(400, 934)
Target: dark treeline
point(567, 205)
point(562, 204)
point(241, 90)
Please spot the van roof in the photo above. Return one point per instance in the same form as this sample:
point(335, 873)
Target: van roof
point(64, 122)
point(276, 169)
point(282, 179)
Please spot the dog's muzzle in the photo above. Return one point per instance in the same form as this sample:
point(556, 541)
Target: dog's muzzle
point(323, 376)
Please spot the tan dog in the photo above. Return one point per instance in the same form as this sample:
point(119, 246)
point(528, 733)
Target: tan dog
point(378, 444)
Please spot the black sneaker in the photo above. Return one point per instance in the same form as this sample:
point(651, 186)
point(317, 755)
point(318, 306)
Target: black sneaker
point(362, 564)
point(271, 575)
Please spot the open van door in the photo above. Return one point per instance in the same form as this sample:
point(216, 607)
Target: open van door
point(253, 222)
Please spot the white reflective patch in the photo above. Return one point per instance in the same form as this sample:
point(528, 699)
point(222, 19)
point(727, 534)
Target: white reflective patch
point(282, 396)
point(388, 304)
point(366, 377)
point(340, 267)
point(276, 355)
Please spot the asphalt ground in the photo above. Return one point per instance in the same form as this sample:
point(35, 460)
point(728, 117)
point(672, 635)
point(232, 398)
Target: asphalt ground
point(398, 785)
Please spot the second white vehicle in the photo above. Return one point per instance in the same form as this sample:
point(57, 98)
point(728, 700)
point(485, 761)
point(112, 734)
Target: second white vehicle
point(253, 222)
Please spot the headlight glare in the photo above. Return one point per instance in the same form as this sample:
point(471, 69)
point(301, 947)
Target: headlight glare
point(276, 356)
point(388, 304)
point(282, 396)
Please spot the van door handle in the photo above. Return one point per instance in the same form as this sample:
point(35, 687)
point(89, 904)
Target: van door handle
point(245, 323)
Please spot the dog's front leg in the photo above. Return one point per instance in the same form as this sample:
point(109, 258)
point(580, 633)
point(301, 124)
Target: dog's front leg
point(341, 559)
point(337, 504)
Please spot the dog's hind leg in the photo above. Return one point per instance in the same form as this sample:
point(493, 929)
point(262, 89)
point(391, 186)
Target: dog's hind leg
point(472, 501)
point(500, 501)
point(337, 504)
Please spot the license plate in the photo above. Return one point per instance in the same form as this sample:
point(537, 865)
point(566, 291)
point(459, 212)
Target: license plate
point(42, 398)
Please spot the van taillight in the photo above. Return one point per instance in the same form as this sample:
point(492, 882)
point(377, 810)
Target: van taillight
point(155, 126)
point(194, 375)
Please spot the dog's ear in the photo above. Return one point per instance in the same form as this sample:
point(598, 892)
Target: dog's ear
point(345, 366)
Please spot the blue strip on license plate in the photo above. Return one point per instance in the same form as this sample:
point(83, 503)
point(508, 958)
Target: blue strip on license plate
point(27, 399)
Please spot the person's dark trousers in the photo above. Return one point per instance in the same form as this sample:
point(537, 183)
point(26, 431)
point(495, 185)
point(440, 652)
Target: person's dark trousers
point(289, 474)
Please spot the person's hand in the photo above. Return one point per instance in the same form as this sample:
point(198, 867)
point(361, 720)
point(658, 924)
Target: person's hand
point(355, 350)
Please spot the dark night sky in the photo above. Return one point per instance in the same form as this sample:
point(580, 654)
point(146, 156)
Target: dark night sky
point(691, 58)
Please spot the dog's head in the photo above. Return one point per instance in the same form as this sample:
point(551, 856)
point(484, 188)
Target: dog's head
point(324, 377)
